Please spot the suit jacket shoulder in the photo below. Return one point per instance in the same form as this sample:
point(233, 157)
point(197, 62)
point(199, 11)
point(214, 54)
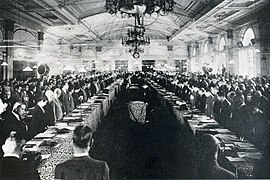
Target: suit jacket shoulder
point(14, 168)
point(82, 168)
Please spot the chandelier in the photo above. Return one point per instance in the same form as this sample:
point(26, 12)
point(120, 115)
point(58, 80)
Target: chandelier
point(143, 6)
point(136, 37)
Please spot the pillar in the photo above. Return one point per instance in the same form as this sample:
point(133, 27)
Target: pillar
point(8, 37)
point(40, 45)
point(264, 40)
point(232, 54)
point(40, 40)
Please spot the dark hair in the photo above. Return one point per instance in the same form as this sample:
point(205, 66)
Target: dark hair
point(221, 94)
point(18, 138)
point(82, 136)
point(17, 86)
point(208, 145)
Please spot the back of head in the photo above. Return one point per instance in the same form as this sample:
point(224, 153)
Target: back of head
point(57, 92)
point(49, 95)
point(82, 136)
point(13, 143)
point(209, 146)
point(221, 94)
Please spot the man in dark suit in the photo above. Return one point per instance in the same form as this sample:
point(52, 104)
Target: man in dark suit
point(209, 167)
point(225, 108)
point(39, 121)
point(16, 95)
point(32, 96)
point(64, 98)
point(14, 121)
point(11, 166)
point(82, 166)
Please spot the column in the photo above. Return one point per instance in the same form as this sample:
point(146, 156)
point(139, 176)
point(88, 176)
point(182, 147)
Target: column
point(40, 40)
point(231, 54)
point(40, 45)
point(8, 37)
point(264, 40)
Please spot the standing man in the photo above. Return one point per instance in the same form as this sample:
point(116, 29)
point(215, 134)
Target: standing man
point(82, 166)
point(14, 121)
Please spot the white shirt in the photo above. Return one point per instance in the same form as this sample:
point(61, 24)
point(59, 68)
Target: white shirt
point(41, 108)
point(81, 154)
point(12, 155)
point(16, 115)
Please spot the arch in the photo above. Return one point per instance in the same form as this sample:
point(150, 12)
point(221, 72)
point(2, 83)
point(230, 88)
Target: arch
point(48, 41)
point(64, 49)
point(88, 53)
point(1, 34)
point(109, 54)
point(155, 50)
point(180, 52)
point(248, 36)
point(24, 36)
point(49, 45)
point(222, 44)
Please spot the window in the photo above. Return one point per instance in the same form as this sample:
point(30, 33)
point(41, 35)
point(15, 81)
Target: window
point(248, 37)
point(222, 44)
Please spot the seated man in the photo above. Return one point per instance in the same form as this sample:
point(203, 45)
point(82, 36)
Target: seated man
point(11, 166)
point(82, 166)
point(209, 167)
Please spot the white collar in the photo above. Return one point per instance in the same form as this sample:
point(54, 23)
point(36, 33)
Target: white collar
point(41, 108)
point(12, 155)
point(16, 115)
point(80, 154)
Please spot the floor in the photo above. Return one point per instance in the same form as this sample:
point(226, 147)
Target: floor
point(156, 150)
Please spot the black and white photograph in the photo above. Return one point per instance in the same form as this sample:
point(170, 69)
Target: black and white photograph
point(134, 89)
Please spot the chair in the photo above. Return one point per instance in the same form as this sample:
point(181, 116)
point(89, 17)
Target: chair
point(137, 111)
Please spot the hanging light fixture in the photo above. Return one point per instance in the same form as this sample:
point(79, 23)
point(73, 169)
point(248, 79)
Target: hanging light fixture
point(4, 63)
point(143, 6)
point(136, 37)
point(27, 69)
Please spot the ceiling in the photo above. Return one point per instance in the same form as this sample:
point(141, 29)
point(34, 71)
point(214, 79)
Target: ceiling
point(85, 21)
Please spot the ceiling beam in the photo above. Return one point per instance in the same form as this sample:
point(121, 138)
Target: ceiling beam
point(20, 11)
point(89, 29)
point(128, 23)
point(25, 22)
point(92, 12)
point(55, 12)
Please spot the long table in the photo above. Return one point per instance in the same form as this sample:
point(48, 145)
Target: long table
point(89, 113)
point(236, 155)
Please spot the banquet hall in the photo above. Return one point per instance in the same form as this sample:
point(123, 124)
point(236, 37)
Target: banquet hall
point(134, 89)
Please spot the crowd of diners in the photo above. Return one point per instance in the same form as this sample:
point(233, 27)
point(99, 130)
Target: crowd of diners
point(238, 103)
point(29, 106)
point(235, 102)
